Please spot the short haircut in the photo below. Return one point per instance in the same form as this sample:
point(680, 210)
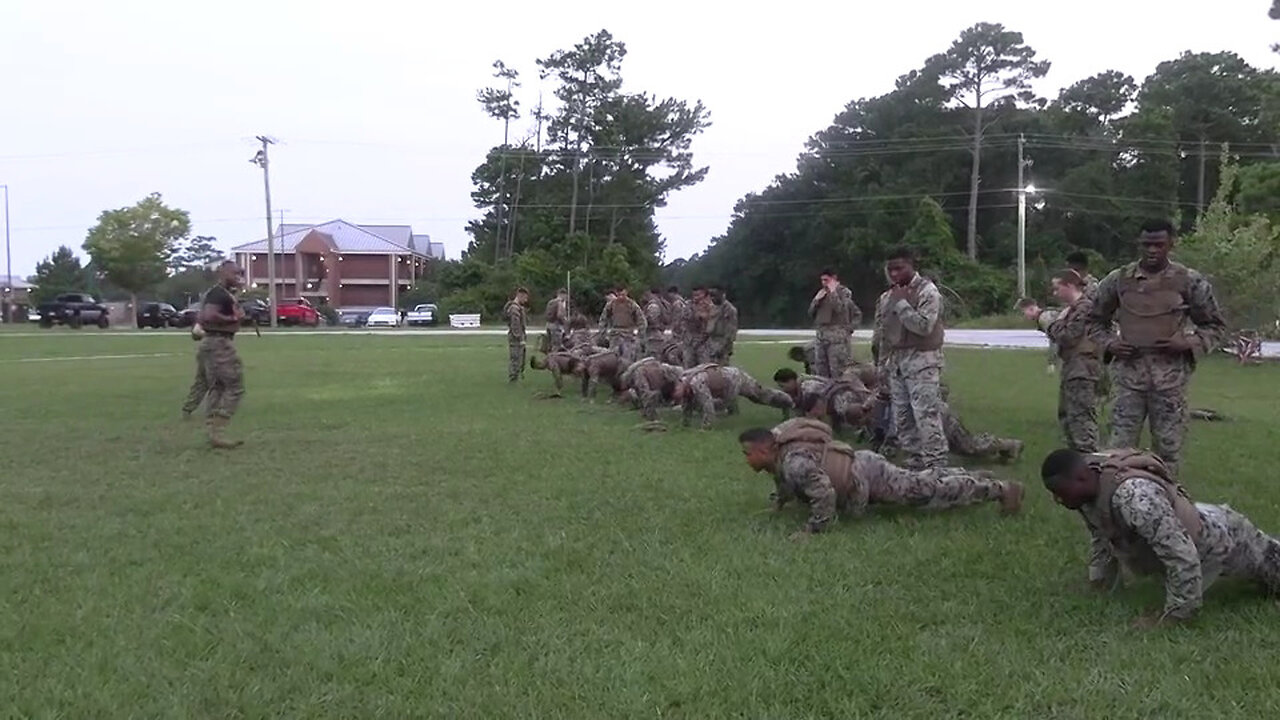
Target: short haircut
point(699, 288)
point(1070, 276)
point(674, 290)
point(808, 401)
point(827, 272)
point(1058, 465)
point(521, 290)
point(902, 252)
point(756, 435)
point(784, 375)
point(1078, 258)
point(797, 353)
point(1025, 302)
point(562, 291)
point(620, 288)
point(655, 290)
point(1157, 226)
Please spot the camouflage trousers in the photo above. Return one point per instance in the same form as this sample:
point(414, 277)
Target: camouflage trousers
point(626, 344)
point(223, 374)
point(1234, 547)
point(981, 445)
point(833, 352)
point(650, 398)
point(515, 360)
point(736, 384)
point(1164, 410)
point(1078, 413)
point(199, 386)
point(696, 352)
point(936, 488)
point(553, 340)
point(653, 344)
point(917, 415)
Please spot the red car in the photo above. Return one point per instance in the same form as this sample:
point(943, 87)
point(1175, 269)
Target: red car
point(297, 311)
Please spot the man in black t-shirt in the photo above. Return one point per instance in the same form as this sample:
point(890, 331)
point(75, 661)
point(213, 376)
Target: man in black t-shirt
point(223, 373)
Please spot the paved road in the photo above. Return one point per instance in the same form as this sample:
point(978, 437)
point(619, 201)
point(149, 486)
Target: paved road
point(1015, 339)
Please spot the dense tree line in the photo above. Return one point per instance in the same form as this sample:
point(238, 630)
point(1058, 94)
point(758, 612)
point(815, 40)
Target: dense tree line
point(906, 167)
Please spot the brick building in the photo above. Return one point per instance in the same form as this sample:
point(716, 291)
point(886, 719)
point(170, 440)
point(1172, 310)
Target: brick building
point(345, 264)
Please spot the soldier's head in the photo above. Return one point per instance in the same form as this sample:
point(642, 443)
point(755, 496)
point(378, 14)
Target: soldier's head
point(797, 353)
point(829, 279)
point(812, 406)
point(562, 293)
point(787, 380)
point(1029, 308)
point(610, 297)
point(699, 293)
point(1068, 285)
point(900, 265)
point(522, 296)
point(230, 274)
point(673, 292)
point(716, 294)
point(1079, 262)
point(760, 448)
point(1155, 241)
point(620, 291)
point(1070, 479)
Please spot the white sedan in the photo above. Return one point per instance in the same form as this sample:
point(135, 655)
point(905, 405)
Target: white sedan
point(383, 317)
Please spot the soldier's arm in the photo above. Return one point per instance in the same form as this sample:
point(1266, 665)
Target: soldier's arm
point(1047, 318)
point(1211, 328)
point(804, 473)
point(1105, 302)
point(1144, 508)
point(1103, 567)
point(780, 496)
point(1069, 328)
point(642, 325)
point(818, 297)
point(921, 319)
point(877, 330)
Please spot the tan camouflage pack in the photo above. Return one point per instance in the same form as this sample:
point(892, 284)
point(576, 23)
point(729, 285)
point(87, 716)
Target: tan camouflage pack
point(837, 457)
point(1120, 465)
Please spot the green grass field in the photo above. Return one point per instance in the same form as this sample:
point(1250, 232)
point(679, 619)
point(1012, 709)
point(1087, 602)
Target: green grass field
point(405, 535)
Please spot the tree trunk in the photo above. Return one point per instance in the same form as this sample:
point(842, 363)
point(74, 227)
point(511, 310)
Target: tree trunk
point(974, 180)
point(515, 205)
point(1200, 186)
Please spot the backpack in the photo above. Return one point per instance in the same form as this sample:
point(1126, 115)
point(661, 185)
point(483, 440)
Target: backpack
point(836, 457)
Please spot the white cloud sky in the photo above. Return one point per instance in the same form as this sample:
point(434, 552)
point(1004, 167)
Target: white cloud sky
point(374, 102)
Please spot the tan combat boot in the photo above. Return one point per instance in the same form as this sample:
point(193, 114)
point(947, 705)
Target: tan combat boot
point(1011, 497)
point(216, 425)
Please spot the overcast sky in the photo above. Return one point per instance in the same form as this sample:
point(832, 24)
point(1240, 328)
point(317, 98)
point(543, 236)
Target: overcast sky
point(374, 102)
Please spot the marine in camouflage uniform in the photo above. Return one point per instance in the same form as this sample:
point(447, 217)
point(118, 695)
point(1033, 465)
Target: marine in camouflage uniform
point(219, 363)
point(558, 364)
point(655, 317)
point(909, 328)
point(603, 366)
point(516, 315)
point(835, 315)
point(1078, 262)
point(676, 305)
point(625, 326)
point(701, 386)
point(806, 355)
point(723, 330)
point(844, 401)
point(1141, 522)
point(1152, 359)
point(982, 445)
point(802, 472)
point(1069, 329)
point(557, 317)
point(653, 382)
point(700, 317)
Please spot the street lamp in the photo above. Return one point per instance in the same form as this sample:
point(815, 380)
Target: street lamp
point(1023, 191)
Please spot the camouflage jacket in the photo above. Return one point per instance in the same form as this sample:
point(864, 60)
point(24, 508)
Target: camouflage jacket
point(1069, 330)
point(516, 317)
point(919, 320)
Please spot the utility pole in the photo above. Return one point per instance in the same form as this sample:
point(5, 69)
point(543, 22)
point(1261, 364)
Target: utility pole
point(1022, 221)
point(8, 262)
point(262, 161)
point(1200, 185)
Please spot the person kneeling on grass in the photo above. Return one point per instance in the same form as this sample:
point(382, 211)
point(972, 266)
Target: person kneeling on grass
point(1141, 520)
point(809, 465)
point(700, 387)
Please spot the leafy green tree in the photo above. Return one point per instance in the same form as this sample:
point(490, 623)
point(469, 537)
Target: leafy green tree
point(197, 253)
point(59, 273)
point(132, 246)
point(987, 69)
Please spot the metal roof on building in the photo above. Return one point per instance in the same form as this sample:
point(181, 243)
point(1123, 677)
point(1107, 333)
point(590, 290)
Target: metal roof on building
point(348, 237)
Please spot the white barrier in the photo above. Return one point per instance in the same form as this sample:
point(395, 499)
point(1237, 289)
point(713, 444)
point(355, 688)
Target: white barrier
point(465, 320)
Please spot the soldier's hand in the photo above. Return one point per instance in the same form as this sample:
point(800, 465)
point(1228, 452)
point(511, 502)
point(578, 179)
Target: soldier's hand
point(820, 294)
point(1122, 349)
point(1176, 345)
point(898, 292)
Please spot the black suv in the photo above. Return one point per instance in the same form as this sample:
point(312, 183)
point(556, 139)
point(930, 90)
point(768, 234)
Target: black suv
point(157, 315)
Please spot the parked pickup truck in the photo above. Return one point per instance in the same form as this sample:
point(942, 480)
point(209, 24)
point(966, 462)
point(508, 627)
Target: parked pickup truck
point(73, 309)
point(297, 311)
point(421, 315)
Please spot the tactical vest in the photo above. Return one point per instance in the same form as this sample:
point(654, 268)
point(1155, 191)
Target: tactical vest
point(1084, 348)
point(1151, 309)
point(556, 311)
point(715, 379)
point(217, 327)
point(1118, 466)
point(831, 312)
point(622, 315)
point(902, 339)
point(836, 457)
